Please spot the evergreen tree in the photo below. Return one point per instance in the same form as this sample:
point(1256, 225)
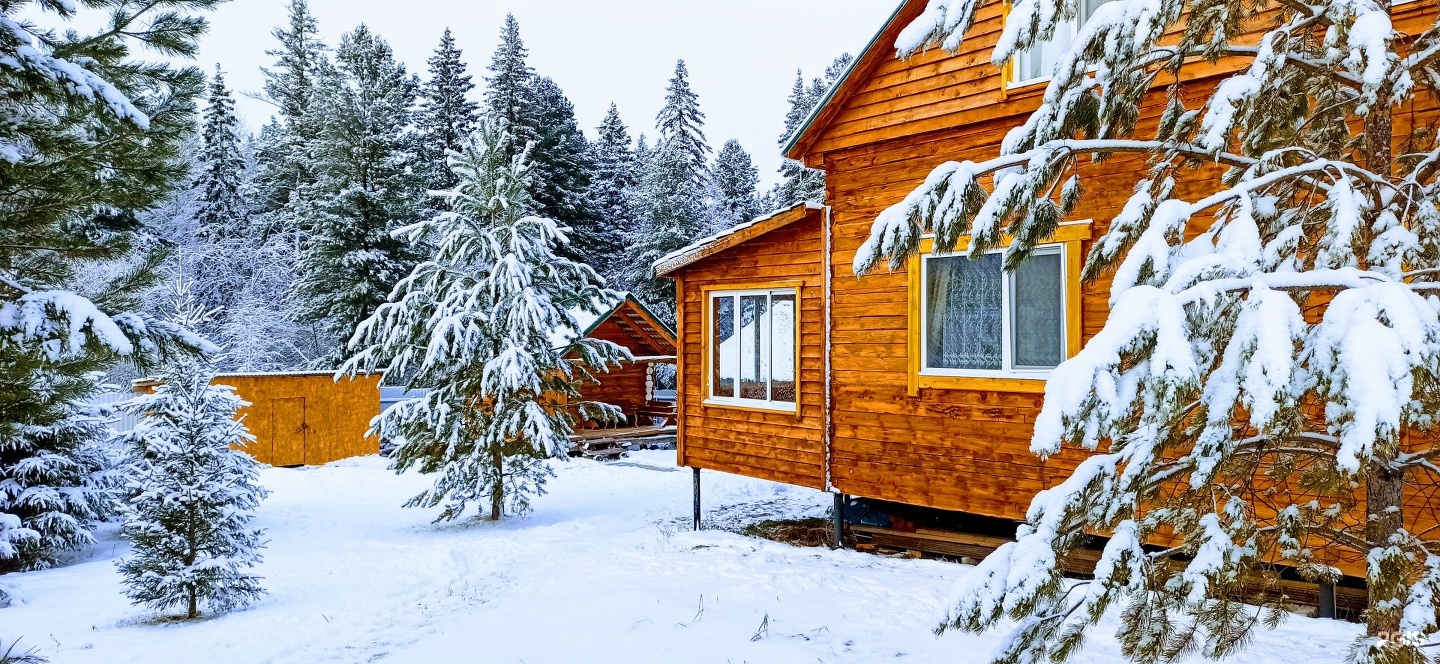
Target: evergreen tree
point(613, 179)
point(447, 116)
point(88, 138)
point(1264, 388)
point(194, 492)
point(560, 171)
point(366, 187)
point(476, 324)
point(800, 184)
point(221, 212)
point(291, 85)
point(736, 178)
point(670, 214)
point(510, 87)
point(683, 124)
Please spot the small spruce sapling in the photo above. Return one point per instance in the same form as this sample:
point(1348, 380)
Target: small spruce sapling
point(194, 495)
point(481, 325)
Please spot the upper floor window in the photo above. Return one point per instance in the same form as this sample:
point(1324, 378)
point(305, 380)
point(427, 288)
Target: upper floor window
point(753, 348)
point(1038, 63)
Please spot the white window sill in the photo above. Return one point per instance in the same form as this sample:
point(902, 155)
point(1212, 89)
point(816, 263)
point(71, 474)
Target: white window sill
point(983, 375)
point(753, 404)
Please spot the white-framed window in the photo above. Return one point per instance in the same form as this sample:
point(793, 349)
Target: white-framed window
point(753, 348)
point(1038, 63)
point(978, 321)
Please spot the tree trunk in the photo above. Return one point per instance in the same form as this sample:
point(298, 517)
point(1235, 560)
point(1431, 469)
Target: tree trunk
point(497, 490)
point(1384, 488)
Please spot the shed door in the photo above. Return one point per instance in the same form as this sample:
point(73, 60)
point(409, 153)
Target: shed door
point(288, 429)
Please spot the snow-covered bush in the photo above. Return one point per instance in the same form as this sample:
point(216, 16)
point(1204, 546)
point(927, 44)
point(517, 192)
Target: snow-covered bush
point(477, 325)
point(194, 494)
point(1273, 339)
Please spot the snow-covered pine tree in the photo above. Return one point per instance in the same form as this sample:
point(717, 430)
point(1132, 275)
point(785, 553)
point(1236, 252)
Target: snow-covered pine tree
point(1265, 387)
point(71, 196)
point(799, 184)
point(560, 172)
point(366, 187)
point(612, 181)
point(221, 212)
point(479, 325)
point(290, 85)
point(510, 87)
point(447, 116)
point(670, 213)
point(194, 494)
point(682, 123)
point(735, 179)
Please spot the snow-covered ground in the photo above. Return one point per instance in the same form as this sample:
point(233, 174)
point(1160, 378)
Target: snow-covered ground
point(606, 570)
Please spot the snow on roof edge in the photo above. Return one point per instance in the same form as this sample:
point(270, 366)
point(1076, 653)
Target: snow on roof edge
point(702, 243)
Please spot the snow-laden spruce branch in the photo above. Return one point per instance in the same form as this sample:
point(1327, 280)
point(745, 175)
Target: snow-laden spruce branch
point(1273, 334)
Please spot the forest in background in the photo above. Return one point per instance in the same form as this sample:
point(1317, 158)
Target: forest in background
point(283, 244)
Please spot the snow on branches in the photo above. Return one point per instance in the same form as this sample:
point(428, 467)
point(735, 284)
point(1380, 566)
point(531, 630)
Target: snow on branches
point(1274, 330)
point(476, 326)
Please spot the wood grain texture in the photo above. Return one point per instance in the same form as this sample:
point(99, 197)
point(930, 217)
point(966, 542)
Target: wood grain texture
point(780, 446)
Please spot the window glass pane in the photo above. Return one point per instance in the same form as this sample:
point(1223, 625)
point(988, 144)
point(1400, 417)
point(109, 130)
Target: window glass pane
point(726, 345)
point(963, 304)
point(1040, 62)
point(783, 377)
point(754, 347)
point(1038, 312)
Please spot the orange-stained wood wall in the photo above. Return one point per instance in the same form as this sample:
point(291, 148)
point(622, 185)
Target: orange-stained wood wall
point(306, 419)
point(783, 447)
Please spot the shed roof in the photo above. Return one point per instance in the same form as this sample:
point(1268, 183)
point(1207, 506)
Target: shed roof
point(733, 236)
point(881, 46)
point(631, 315)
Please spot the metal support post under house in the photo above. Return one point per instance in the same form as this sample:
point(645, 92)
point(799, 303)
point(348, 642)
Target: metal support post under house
point(697, 499)
point(1326, 608)
point(837, 516)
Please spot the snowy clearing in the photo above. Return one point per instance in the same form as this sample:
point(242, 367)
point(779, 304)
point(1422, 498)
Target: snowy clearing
point(605, 570)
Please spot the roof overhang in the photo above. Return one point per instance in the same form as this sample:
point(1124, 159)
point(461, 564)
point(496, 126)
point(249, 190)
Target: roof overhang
point(735, 236)
point(881, 46)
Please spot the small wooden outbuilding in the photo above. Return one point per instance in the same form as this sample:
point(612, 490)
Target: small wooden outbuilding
point(305, 418)
point(633, 387)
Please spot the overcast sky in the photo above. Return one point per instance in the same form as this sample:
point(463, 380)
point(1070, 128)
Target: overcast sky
point(742, 54)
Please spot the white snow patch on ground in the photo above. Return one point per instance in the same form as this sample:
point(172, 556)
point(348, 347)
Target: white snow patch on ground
point(606, 570)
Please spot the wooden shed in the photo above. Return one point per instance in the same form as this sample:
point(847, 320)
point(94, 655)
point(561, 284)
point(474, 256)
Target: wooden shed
point(633, 388)
point(922, 386)
point(305, 418)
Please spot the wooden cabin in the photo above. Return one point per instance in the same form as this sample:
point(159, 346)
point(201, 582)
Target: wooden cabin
point(922, 386)
point(305, 418)
point(635, 387)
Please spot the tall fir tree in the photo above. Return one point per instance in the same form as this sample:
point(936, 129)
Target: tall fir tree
point(366, 186)
point(291, 85)
point(735, 179)
point(447, 115)
point(614, 177)
point(561, 169)
point(799, 184)
point(682, 123)
point(476, 324)
point(89, 137)
point(194, 494)
point(510, 86)
point(670, 213)
point(1263, 391)
point(221, 212)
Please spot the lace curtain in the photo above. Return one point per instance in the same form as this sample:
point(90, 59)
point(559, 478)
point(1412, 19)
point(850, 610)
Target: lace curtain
point(963, 300)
